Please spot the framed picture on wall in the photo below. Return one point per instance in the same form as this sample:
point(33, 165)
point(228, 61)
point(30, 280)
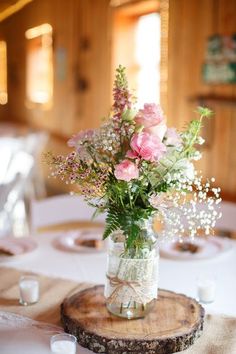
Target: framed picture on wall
point(220, 63)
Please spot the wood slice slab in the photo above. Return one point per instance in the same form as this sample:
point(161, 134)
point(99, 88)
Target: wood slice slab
point(173, 325)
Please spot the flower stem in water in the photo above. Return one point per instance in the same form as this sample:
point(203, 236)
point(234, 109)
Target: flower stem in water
point(121, 307)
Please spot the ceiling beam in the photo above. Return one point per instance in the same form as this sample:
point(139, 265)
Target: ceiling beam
point(10, 10)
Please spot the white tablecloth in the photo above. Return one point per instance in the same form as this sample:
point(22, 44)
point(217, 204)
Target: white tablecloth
point(179, 276)
point(21, 335)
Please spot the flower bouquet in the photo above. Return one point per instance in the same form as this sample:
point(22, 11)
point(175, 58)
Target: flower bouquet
point(138, 171)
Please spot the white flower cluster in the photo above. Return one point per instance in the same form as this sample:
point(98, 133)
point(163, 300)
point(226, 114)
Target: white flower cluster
point(106, 140)
point(191, 209)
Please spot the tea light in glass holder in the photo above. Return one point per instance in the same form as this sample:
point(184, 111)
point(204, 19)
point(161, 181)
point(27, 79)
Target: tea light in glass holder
point(29, 290)
point(63, 344)
point(206, 286)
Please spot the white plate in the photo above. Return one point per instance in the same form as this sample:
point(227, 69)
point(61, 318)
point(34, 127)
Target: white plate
point(208, 248)
point(67, 241)
point(25, 245)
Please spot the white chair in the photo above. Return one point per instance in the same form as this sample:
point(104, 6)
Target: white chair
point(21, 177)
point(34, 145)
point(11, 195)
point(61, 209)
point(9, 147)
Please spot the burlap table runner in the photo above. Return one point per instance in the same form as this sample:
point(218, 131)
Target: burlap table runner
point(52, 292)
point(219, 336)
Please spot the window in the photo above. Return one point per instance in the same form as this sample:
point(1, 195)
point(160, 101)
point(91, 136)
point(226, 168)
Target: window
point(147, 38)
point(137, 45)
point(39, 65)
point(3, 73)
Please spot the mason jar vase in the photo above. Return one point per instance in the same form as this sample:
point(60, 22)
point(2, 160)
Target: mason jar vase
point(131, 287)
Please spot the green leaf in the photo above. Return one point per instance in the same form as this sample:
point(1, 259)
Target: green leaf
point(128, 115)
point(134, 231)
point(112, 223)
point(121, 79)
point(204, 111)
point(96, 212)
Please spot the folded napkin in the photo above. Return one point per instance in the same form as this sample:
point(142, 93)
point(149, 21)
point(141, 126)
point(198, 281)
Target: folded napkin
point(9, 247)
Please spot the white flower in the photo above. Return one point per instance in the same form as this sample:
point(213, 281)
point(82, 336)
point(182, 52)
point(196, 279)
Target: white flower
point(197, 156)
point(200, 140)
point(186, 169)
point(160, 201)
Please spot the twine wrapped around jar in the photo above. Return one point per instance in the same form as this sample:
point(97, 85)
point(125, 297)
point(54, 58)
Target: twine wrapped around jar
point(135, 286)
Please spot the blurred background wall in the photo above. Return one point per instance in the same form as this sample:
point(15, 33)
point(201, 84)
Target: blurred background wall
point(190, 24)
point(90, 38)
point(82, 92)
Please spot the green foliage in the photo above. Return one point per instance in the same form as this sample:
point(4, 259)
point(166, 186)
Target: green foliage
point(128, 115)
point(112, 222)
point(192, 132)
point(127, 222)
point(204, 111)
point(121, 79)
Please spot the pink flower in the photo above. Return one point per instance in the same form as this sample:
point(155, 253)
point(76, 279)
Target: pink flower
point(147, 146)
point(172, 137)
point(151, 117)
point(76, 139)
point(132, 154)
point(158, 130)
point(126, 170)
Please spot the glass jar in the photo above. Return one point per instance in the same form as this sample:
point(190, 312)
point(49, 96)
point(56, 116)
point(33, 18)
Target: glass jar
point(132, 276)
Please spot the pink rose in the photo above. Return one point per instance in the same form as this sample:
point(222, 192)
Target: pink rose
point(132, 154)
point(151, 117)
point(158, 130)
point(126, 170)
point(147, 146)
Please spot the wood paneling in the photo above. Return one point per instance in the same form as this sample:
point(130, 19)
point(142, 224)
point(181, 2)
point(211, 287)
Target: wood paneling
point(81, 32)
point(191, 22)
point(93, 63)
point(81, 29)
point(4, 4)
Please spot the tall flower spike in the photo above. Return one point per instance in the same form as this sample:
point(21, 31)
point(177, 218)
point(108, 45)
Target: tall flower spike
point(121, 94)
point(121, 79)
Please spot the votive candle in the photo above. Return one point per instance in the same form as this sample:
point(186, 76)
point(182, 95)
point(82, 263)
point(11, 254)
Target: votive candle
point(63, 344)
point(29, 290)
point(206, 289)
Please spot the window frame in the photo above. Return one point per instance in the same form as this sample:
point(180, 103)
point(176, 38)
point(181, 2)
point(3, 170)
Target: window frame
point(43, 34)
point(3, 73)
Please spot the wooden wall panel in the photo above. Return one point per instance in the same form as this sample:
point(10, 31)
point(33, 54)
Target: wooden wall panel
point(80, 28)
point(93, 30)
point(191, 22)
